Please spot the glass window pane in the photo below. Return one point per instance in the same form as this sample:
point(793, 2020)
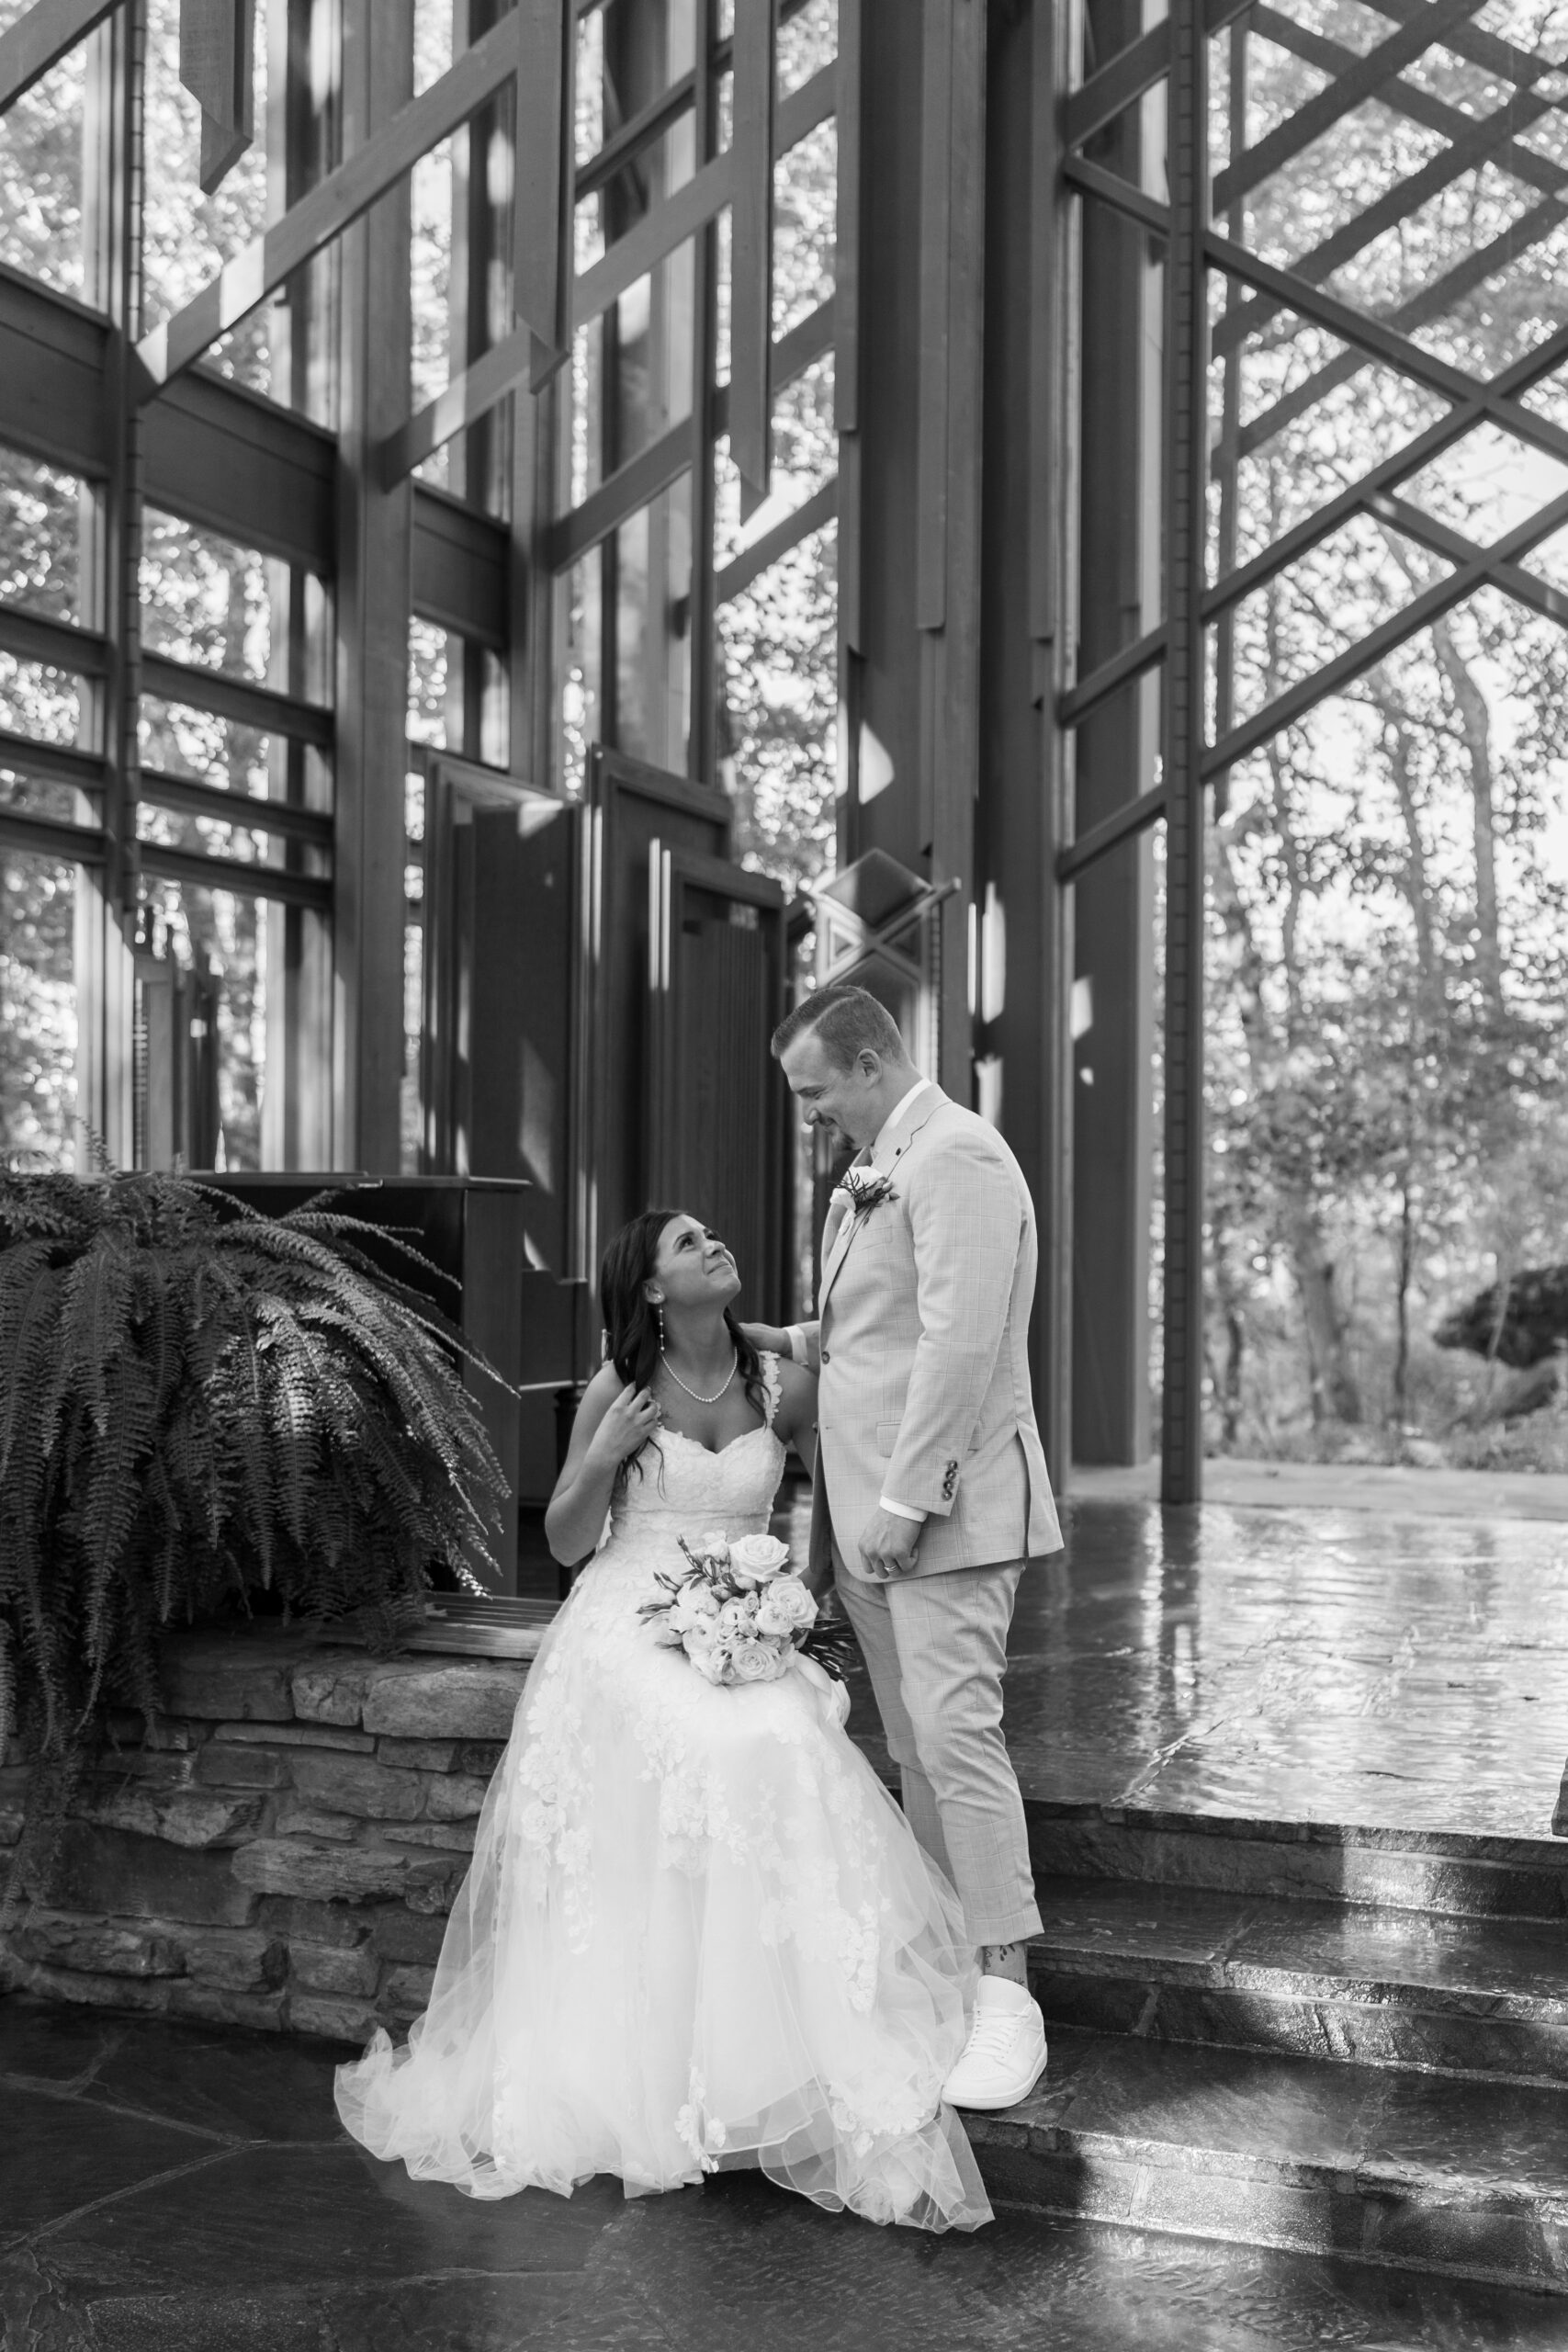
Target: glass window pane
point(434, 668)
point(42, 899)
point(40, 171)
point(41, 523)
point(37, 700)
point(189, 236)
point(177, 740)
point(253, 1023)
point(778, 701)
point(217, 605)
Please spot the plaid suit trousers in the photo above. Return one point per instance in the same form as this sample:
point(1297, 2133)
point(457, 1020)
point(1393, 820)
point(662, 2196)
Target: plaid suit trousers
point(936, 1651)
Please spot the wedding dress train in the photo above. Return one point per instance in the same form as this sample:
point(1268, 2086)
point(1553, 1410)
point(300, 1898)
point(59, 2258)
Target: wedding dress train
point(696, 1932)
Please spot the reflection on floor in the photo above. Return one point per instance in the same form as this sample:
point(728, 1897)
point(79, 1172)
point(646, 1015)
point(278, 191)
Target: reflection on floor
point(166, 2188)
point(1304, 1666)
point(1290, 1776)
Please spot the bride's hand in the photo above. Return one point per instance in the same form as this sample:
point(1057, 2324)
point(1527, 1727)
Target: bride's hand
point(629, 1424)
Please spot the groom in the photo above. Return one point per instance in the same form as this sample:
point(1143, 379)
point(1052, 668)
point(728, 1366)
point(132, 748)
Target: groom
point(931, 1495)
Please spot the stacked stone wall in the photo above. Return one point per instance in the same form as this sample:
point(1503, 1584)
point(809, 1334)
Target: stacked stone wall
point(283, 1853)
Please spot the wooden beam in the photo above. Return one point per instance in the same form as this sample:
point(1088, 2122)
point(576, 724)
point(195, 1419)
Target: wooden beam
point(375, 538)
point(32, 637)
point(236, 700)
point(1110, 833)
point(46, 836)
point(468, 396)
point(1384, 342)
point(1319, 113)
point(64, 763)
point(275, 882)
point(196, 799)
point(631, 486)
point(542, 177)
point(1185, 485)
point(311, 224)
point(1132, 71)
point(1108, 676)
point(1434, 299)
point(1369, 651)
point(931, 460)
point(520, 355)
point(1542, 361)
point(846, 260)
point(460, 566)
point(1525, 587)
point(52, 358)
point(230, 460)
point(738, 573)
point(41, 36)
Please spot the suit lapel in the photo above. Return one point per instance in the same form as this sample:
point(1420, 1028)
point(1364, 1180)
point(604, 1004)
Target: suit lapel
point(837, 1232)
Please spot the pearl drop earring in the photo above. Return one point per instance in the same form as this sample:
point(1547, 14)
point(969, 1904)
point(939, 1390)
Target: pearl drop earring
point(659, 1310)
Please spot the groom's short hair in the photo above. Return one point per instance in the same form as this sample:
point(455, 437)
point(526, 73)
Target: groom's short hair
point(847, 1020)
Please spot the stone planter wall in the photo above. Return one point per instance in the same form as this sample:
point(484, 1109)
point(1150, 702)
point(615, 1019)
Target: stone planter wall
point(286, 1854)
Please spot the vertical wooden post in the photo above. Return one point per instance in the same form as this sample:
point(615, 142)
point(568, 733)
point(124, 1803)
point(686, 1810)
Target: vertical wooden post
point(702, 751)
point(950, 439)
point(1052, 630)
point(1182, 1471)
point(751, 250)
point(374, 527)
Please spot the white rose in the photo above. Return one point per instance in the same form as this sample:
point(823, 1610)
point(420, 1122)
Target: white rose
point(754, 1559)
point(785, 1608)
point(714, 1545)
point(759, 1662)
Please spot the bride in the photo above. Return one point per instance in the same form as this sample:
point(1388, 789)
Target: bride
point(697, 1931)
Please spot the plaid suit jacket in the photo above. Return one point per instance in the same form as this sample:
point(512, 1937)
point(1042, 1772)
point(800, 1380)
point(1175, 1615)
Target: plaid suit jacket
point(924, 1339)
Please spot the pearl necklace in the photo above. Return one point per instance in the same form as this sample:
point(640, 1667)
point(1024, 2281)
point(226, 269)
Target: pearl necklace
point(695, 1395)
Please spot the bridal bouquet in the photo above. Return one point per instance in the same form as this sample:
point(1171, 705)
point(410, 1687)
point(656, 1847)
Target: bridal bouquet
point(740, 1614)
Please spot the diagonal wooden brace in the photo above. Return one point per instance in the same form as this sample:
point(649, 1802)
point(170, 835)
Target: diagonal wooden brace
point(311, 224)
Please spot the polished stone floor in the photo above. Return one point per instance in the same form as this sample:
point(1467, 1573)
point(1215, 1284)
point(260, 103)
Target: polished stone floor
point(188, 2189)
point(1297, 1665)
point(173, 2188)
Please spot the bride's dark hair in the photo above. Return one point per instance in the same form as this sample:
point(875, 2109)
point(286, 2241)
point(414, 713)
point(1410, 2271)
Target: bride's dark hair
point(631, 1323)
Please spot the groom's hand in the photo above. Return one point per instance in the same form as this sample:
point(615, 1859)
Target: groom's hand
point(889, 1545)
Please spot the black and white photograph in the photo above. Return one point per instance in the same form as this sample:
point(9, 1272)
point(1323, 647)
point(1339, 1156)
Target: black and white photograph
point(783, 1175)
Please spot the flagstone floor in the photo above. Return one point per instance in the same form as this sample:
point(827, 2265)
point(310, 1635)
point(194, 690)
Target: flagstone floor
point(172, 2188)
point(189, 2188)
point(1328, 1665)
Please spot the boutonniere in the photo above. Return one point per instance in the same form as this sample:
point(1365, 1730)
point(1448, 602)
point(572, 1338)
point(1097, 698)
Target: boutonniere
point(861, 1190)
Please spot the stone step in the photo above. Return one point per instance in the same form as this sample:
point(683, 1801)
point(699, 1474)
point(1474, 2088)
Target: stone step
point(1318, 1980)
point(1455, 1875)
point(1466, 2180)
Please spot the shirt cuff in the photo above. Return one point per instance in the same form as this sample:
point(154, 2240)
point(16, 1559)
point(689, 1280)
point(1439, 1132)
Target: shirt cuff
point(902, 1511)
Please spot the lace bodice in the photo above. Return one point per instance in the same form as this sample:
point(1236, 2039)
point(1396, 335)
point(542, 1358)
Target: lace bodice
point(682, 1489)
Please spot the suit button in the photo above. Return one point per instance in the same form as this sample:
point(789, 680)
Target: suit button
point(826, 1357)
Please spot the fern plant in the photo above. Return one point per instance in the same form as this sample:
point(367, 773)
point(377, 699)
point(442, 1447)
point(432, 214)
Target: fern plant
point(196, 1401)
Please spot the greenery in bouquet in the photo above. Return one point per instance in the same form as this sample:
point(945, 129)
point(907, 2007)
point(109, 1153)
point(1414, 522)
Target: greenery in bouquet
point(740, 1614)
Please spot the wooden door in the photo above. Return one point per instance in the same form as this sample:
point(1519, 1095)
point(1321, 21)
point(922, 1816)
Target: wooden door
point(716, 1133)
point(631, 807)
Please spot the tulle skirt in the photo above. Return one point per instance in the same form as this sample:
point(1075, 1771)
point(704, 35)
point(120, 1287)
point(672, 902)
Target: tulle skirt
point(697, 1932)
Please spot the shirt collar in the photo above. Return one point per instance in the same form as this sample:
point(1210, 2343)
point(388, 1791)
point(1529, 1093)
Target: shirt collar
point(897, 1112)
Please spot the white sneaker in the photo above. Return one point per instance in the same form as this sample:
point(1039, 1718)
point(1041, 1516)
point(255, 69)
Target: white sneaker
point(1005, 2054)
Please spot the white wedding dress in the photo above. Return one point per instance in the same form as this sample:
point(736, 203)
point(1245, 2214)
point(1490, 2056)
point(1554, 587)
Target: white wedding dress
point(696, 1932)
